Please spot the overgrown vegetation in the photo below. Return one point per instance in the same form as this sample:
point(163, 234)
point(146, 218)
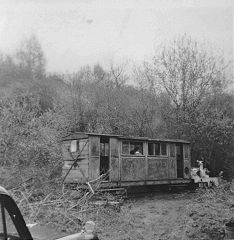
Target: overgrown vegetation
point(210, 211)
point(182, 93)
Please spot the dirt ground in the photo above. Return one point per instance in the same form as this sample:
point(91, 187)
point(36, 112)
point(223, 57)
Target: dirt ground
point(161, 217)
point(158, 217)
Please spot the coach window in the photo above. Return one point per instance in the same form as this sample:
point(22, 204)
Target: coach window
point(104, 149)
point(74, 147)
point(163, 149)
point(125, 147)
point(157, 149)
point(77, 145)
point(132, 148)
point(151, 149)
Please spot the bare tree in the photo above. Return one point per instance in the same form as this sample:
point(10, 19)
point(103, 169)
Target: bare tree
point(76, 89)
point(188, 72)
point(31, 58)
point(118, 74)
point(194, 80)
point(99, 73)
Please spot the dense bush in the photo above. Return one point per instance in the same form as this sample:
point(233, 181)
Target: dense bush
point(31, 138)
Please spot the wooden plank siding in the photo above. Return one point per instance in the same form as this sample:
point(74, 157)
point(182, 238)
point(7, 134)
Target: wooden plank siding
point(187, 165)
point(65, 150)
point(75, 175)
point(172, 168)
point(187, 160)
point(133, 168)
point(154, 167)
point(82, 164)
point(67, 155)
point(145, 151)
point(94, 157)
point(114, 159)
point(125, 168)
point(157, 168)
point(77, 171)
point(172, 163)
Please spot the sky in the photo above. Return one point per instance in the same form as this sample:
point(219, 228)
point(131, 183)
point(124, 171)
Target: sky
point(74, 33)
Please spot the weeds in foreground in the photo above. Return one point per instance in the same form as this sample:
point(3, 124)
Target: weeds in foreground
point(209, 212)
point(44, 201)
point(47, 202)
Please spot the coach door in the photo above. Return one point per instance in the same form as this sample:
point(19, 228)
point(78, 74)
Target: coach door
point(105, 156)
point(179, 160)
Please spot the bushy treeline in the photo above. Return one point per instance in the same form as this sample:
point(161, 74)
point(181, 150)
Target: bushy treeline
point(181, 93)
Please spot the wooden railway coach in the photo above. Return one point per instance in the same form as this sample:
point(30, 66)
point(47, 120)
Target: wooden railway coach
point(127, 161)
